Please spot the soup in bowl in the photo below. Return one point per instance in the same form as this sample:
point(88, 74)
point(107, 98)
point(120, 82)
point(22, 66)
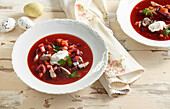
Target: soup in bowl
point(59, 56)
point(146, 21)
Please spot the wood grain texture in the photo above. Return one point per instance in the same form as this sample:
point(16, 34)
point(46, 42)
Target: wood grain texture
point(151, 91)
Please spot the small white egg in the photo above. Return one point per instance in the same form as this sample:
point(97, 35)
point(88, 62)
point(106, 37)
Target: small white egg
point(7, 25)
point(25, 23)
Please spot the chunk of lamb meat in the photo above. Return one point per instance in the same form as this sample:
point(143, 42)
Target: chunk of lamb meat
point(146, 21)
point(155, 4)
point(52, 73)
point(45, 57)
point(84, 65)
point(65, 71)
point(164, 12)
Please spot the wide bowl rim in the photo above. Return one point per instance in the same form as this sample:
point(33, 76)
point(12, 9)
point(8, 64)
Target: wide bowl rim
point(133, 34)
point(89, 83)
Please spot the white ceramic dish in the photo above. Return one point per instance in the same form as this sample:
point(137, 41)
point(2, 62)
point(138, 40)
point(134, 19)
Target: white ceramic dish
point(123, 16)
point(83, 31)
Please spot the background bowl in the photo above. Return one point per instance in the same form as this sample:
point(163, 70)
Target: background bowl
point(123, 16)
point(54, 26)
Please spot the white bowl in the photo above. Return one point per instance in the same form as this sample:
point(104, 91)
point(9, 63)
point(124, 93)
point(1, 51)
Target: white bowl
point(81, 30)
point(123, 16)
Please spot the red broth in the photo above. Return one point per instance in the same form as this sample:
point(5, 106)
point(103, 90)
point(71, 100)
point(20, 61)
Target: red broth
point(137, 16)
point(81, 46)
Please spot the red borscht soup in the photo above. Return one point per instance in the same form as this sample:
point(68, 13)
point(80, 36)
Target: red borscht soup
point(60, 59)
point(151, 19)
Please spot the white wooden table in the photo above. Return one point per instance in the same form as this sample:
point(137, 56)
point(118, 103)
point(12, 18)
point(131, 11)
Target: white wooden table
point(151, 91)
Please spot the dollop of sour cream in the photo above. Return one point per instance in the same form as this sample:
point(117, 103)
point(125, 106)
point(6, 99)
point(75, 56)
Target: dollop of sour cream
point(57, 56)
point(157, 26)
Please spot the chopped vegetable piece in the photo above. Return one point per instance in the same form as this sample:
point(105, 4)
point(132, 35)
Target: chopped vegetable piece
point(64, 43)
point(59, 40)
point(58, 47)
point(69, 61)
point(62, 62)
point(148, 11)
point(55, 50)
point(52, 45)
point(73, 74)
point(65, 71)
point(78, 76)
point(166, 32)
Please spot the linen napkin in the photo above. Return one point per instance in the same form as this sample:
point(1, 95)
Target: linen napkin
point(121, 69)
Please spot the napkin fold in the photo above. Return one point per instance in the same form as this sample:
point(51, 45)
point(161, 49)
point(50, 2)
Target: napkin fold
point(121, 69)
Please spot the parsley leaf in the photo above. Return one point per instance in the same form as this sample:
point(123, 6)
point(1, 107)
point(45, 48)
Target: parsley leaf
point(73, 74)
point(78, 76)
point(69, 61)
point(148, 11)
point(56, 48)
point(62, 62)
point(52, 45)
point(166, 32)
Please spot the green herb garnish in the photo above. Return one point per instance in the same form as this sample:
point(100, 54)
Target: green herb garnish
point(148, 11)
point(69, 61)
point(52, 45)
point(166, 32)
point(73, 74)
point(56, 48)
point(78, 76)
point(62, 62)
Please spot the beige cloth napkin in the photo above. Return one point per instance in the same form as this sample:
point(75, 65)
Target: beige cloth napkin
point(121, 69)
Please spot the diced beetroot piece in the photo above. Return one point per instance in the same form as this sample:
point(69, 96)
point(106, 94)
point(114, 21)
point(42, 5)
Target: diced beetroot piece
point(74, 68)
point(70, 52)
point(40, 75)
point(59, 41)
point(77, 52)
point(78, 45)
point(74, 59)
point(65, 48)
point(48, 67)
point(160, 31)
point(64, 43)
point(48, 47)
point(73, 56)
point(42, 68)
point(58, 70)
point(38, 50)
